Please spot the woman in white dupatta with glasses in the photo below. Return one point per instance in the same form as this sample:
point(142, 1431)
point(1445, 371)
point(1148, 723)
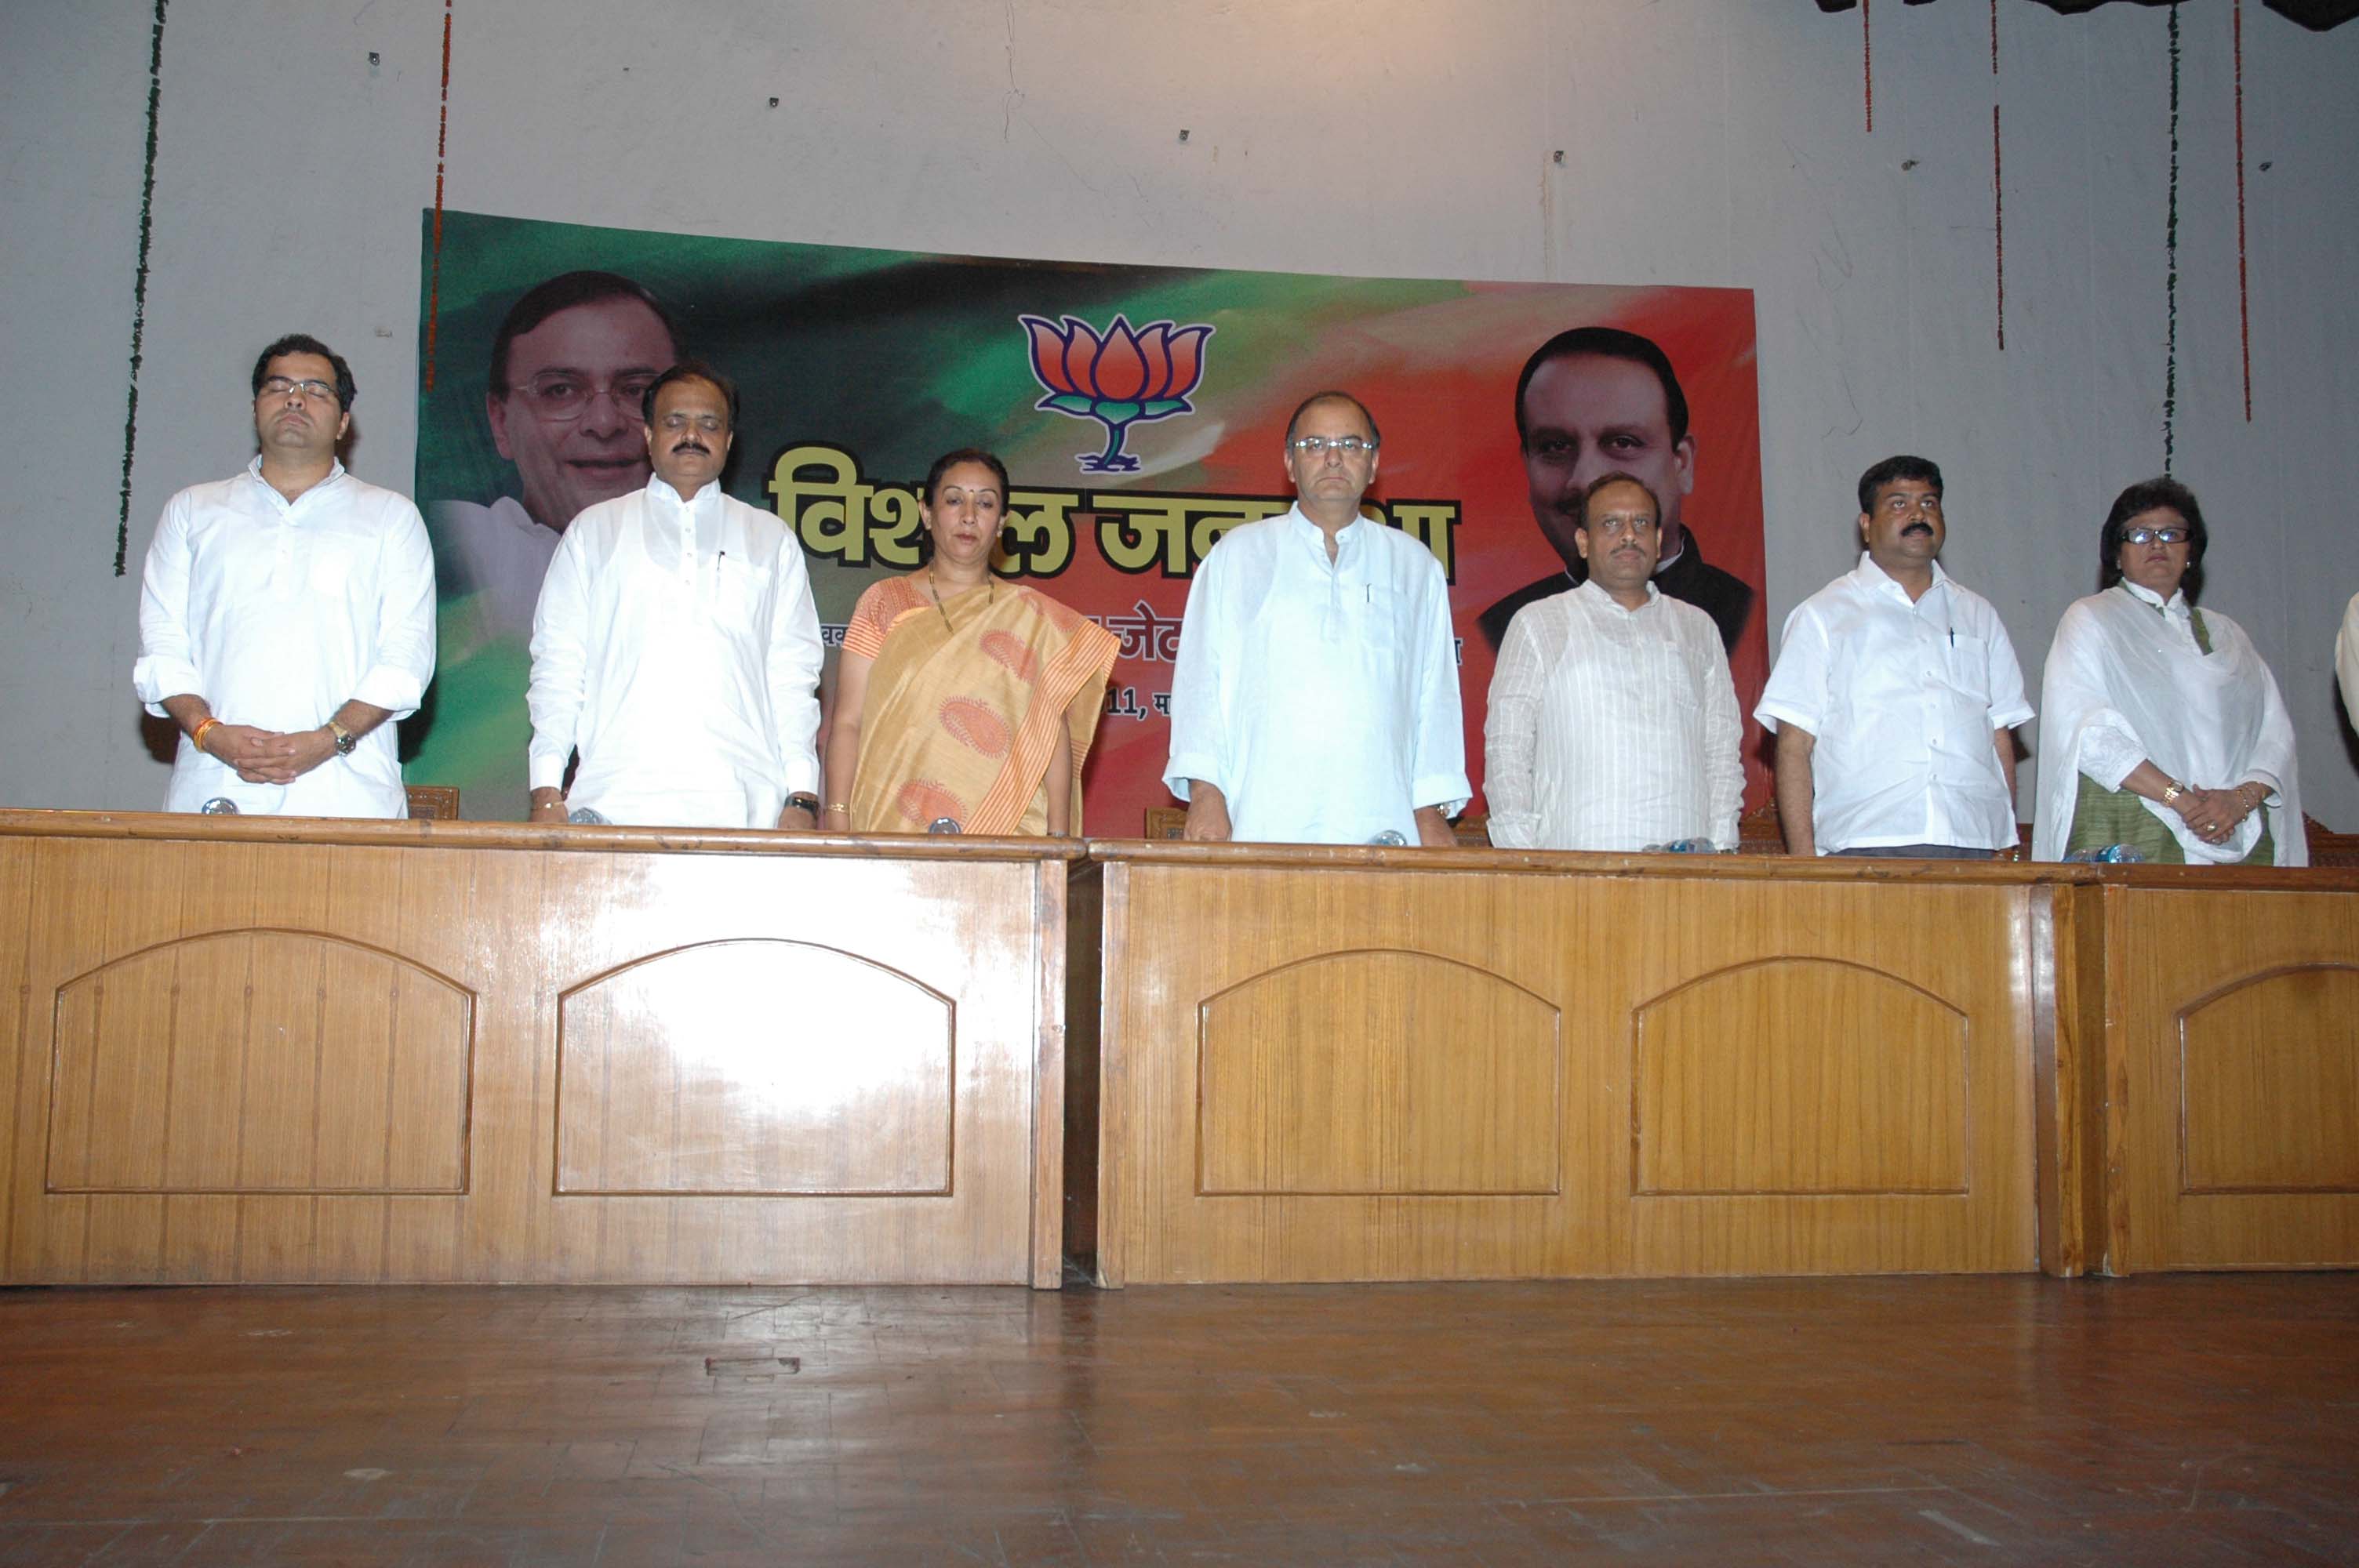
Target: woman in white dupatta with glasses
point(2161, 729)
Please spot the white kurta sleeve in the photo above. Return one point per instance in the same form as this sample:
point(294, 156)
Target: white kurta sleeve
point(2347, 660)
point(1511, 722)
point(795, 657)
point(167, 662)
point(2082, 732)
point(1797, 691)
point(1199, 727)
point(561, 626)
point(1439, 775)
point(404, 646)
point(1723, 740)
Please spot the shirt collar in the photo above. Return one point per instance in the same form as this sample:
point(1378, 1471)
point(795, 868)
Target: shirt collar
point(1875, 579)
point(2175, 605)
point(1301, 525)
point(660, 488)
point(1589, 585)
point(335, 472)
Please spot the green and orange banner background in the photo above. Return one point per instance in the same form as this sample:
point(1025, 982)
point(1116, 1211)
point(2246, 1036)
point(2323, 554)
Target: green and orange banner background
point(857, 367)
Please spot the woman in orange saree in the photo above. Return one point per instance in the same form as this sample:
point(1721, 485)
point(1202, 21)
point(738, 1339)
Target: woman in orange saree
point(964, 704)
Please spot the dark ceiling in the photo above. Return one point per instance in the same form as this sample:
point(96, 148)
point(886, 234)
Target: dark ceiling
point(2316, 14)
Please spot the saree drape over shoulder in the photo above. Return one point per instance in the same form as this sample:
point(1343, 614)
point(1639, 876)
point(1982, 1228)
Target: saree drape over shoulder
point(965, 703)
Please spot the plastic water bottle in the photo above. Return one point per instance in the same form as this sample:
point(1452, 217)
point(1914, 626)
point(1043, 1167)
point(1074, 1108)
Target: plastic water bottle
point(582, 814)
point(220, 805)
point(2107, 855)
point(1390, 838)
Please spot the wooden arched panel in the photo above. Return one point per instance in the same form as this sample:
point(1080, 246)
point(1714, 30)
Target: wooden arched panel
point(1379, 1072)
point(260, 1061)
point(1799, 1076)
point(755, 1067)
point(2269, 1084)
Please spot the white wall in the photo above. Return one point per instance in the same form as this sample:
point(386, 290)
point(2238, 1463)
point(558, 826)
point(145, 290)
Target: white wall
point(1711, 142)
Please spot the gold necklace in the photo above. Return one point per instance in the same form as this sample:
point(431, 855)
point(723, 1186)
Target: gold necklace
point(934, 586)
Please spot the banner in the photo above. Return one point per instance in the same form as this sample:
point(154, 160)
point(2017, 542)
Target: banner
point(1140, 412)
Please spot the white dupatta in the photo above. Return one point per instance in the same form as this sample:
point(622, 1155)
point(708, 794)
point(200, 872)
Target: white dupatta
point(2211, 721)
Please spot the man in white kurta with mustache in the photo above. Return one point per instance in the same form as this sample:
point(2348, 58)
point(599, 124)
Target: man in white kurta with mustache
point(676, 646)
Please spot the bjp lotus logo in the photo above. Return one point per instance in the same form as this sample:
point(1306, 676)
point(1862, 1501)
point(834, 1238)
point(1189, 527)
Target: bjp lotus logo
point(1123, 378)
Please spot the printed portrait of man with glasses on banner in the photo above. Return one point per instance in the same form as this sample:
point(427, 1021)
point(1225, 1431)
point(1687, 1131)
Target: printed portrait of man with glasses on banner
point(569, 363)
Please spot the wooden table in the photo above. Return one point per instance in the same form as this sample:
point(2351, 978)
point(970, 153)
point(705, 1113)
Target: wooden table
point(2218, 1061)
point(277, 1049)
point(1359, 1064)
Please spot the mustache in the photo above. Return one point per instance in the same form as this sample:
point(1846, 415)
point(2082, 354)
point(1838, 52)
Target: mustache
point(691, 445)
point(1925, 528)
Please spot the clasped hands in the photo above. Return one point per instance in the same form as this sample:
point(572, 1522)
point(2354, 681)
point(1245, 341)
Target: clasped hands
point(266, 756)
point(2214, 814)
point(548, 805)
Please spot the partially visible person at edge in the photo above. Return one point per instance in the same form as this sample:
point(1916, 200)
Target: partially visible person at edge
point(1896, 694)
point(2347, 660)
point(1315, 698)
point(2164, 730)
point(964, 704)
point(1613, 721)
point(676, 646)
point(571, 365)
point(286, 614)
point(1598, 400)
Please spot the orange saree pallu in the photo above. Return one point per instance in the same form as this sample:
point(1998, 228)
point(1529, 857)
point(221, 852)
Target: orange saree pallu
point(965, 703)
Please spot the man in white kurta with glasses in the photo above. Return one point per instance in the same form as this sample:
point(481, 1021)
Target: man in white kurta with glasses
point(286, 614)
point(1315, 698)
point(1613, 721)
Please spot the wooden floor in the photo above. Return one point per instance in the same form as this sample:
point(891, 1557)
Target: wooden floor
point(1928, 1420)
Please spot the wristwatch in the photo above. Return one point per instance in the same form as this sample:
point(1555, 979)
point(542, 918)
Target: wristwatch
point(2172, 791)
point(345, 738)
point(803, 800)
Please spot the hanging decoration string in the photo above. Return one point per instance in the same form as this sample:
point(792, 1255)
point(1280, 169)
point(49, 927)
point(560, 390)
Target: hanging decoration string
point(2244, 313)
point(1998, 224)
point(2170, 250)
point(1868, 64)
point(442, 147)
point(1998, 187)
point(139, 289)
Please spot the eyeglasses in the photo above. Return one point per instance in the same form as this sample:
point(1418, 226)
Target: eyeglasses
point(1319, 446)
point(1615, 527)
point(281, 386)
point(561, 398)
point(2157, 535)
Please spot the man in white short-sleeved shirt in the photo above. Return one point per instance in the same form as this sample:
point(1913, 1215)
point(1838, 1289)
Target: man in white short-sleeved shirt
point(286, 614)
point(1896, 694)
point(1315, 698)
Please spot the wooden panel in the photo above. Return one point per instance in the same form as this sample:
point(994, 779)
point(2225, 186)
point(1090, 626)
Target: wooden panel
point(344, 933)
point(2234, 1123)
point(1378, 1072)
point(1894, 1007)
point(2068, 964)
point(1759, 1079)
point(260, 1061)
point(681, 1073)
point(2269, 1084)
